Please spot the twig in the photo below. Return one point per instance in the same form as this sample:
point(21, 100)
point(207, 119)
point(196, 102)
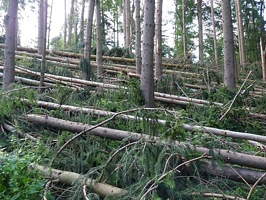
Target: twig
point(255, 184)
point(47, 185)
point(223, 196)
point(85, 192)
point(155, 184)
point(239, 176)
point(240, 89)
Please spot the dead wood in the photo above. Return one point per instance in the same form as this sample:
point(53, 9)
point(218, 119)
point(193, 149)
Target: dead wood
point(71, 178)
point(225, 155)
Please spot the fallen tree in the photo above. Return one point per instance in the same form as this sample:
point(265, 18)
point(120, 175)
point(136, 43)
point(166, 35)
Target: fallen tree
point(71, 178)
point(227, 156)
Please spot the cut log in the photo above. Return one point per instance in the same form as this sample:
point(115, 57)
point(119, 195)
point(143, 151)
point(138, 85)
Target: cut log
point(71, 178)
point(227, 156)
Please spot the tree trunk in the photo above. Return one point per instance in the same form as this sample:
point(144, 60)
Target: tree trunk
point(99, 58)
point(49, 26)
point(65, 26)
point(40, 28)
point(125, 22)
point(128, 26)
point(229, 53)
point(262, 42)
point(158, 36)
point(214, 35)
point(199, 6)
point(184, 8)
point(75, 14)
point(70, 23)
point(10, 44)
point(44, 6)
point(242, 51)
point(86, 68)
point(138, 38)
point(81, 33)
point(147, 75)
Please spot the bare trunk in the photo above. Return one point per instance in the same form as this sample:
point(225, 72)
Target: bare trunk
point(138, 38)
point(242, 49)
point(200, 30)
point(99, 52)
point(214, 35)
point(75, 14)
point(44, 6)
point(125, 22)
point(128, 26)
point(158, 36)
point(81, 33)
point(86, 69)
point(65, 26)
point(229, 54)
point(70, 23)
point(147, 74)
point(10, 44)
point(49, 26)
point(184, 7)
point(40, 28)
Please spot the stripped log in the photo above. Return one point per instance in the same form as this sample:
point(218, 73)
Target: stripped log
point(227, 156)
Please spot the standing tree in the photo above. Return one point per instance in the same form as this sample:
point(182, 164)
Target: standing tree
point(86, 68)
point(147, 75)
point(184, 28)
point(158, 36)
point(71, 22)
point(81, 32)
point(43, 20)
point(199, 8)
point(214, 35)
point(40, 27)
point(10, 44)
point(65, 25)
point(99, 52)
point(242, 51)
point(229, 53)
point(138, 38)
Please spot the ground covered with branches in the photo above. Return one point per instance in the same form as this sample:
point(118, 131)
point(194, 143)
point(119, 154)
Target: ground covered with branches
point(133, 152)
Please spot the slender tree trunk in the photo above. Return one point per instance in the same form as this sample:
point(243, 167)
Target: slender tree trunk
point(199, 6)
point(81, 33)
point(158, 36)
point(184, 8)
point(99, 58)
point(86, 70)
point(262, 41)
point(49, 26)
point(128, 26)
point(10, 44)
point(65, 25)
point(229, 54)
point(44, 22)
point(242, 49)
point(40, 27)
point(147, 74)
point(70, 22)
point(138, 38)
point(125, 22)
point(75, 17)
point(214, 35)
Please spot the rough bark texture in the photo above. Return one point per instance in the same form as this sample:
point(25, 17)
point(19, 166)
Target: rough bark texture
point(99, 52)
point(40, 27)
point(10, 44)
point(147, 75)
point(87, 50)
point(138, 38)
point(158, 36)
point(128, 26)
point(229, 53)
point(214, 35)
point(199, 7)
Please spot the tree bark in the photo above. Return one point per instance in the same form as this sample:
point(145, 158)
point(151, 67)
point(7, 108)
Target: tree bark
point(65, 25)
point(184, 27)
point(214, 35)
point(70, 178)
point(49, 26)
point(227, 156)
point(128, 26)
point(41, 27)
point(70, 23)
point(81, 33)
point(10, 44)
point(147, 74)
point(99, 53)
point(229, 53)
point(138, 38)
point(158, 36)
point(199, 6)
point(44, 5)
point(87, 51)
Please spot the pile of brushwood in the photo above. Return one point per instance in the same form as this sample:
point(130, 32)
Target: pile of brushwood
point(95, 140)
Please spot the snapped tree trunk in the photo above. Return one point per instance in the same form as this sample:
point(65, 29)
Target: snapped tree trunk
point(147, 75)
point(229, 53)
point(10, 44)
